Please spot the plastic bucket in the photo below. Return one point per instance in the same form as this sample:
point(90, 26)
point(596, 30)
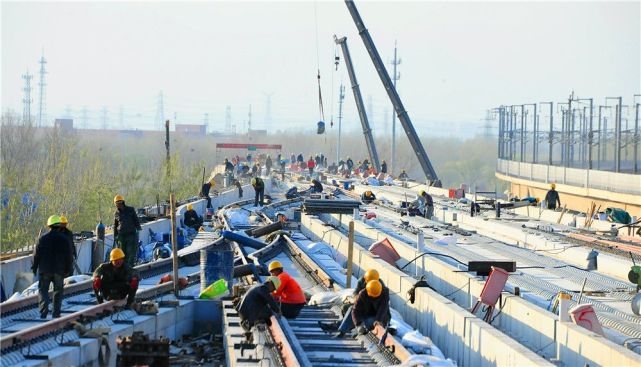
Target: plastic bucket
point(216, 289)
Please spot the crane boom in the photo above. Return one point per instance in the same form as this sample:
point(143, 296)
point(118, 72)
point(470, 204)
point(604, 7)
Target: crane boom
point(403, 117)
point(367, 130)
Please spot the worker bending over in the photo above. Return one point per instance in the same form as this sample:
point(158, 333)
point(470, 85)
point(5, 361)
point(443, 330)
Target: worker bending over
point(552, 198)
point(289, 294)
point(259, 188)
point(371, 274)
point(257, 304)
point(317, 187)
point(371, 307)
point(423, 205)
point(192, 220)
point(204, 191)
point(52, 260)
point(115, 280)
point(126, 228)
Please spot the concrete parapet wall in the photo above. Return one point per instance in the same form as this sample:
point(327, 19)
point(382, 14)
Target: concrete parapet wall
point(530, 325)
point(459, 334)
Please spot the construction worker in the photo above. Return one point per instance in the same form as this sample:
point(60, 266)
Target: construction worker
point(289, 294)
point(350, 163)
point(259, 188)
point(191, 219)
point(239, 187)
point(552, 197)
point(52, 260)
point(370, 274)
point(403, 176)
point(384, 167)
point(268, 165)
point(258, 304)
point(281, 217)
point(204, 191)
point(64, 222)
point(428, 210)
point(317, 187)
point(368, 197)
point(126, 228)
point(311, 164)
point(115, 280)
point(371, 307)
point(229, 167)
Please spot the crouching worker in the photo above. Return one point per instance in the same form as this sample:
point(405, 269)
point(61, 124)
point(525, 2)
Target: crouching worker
point(289, 294)
point(115, 280)
point(316, 187)
point(371, 307)
point(347, 323)
point(192, 220)
point(258, 304)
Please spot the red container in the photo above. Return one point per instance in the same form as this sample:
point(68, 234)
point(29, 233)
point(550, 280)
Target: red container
point(451, 193)
point(385, 251)
point(493, 286)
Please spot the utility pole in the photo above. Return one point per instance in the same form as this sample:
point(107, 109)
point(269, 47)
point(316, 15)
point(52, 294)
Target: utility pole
point(26, 100)
point(105, 113)
point(341, 98)
point(84, 117)
point(42, 107)
point(228, 119)
point(395, 77)
point(249, 119)
point(121, 117)
point(160, 111)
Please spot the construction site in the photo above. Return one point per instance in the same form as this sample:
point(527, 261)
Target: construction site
point(292, 257)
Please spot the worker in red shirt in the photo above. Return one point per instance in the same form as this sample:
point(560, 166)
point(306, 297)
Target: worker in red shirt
point(311, 164)
point(289, 294)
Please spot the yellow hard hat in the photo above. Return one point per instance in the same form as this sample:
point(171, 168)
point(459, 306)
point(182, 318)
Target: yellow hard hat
point(53, 220)
point(118, 198)
point(422, 192)
point(190, 207)
point(371, 274)
point(116, 254)
point(63, 220)
point(275, 281)
point(374, 288)
point(553, 186)
point(275, 265)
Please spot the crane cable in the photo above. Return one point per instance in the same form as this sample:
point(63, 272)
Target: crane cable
point(318, 76)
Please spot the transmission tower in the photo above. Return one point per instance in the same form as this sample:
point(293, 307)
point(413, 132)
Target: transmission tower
point(121, 117)
point(26, 100)
point(160, 112)
point(487, 125)
point(395, 77)
point(42, 107)
point(268, 108)
point(84, 117)
point(105, 114)
point(228, 119)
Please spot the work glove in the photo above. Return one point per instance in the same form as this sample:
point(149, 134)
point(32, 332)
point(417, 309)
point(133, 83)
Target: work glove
point(96, 284)
point(134, 283)
point(361, 330)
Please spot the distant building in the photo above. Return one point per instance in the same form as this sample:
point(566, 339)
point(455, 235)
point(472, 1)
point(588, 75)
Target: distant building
point(191, 129)
point(131, 133)
point(65, 125)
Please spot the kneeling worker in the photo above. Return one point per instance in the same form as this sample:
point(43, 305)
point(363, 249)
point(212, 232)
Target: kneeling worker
point(192, 219)
point(115, 279)
point(371, 274)
point(257, 304)
point(371, 307)
point(289, 293)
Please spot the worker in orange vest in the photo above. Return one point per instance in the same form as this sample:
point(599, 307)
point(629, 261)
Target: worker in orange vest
point(289, 293)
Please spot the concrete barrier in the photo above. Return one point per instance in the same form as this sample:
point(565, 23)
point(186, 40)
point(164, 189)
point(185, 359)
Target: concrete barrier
point(530, 325)
point(459, 334)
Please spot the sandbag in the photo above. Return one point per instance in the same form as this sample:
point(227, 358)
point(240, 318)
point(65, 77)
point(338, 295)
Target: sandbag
point(23, 281)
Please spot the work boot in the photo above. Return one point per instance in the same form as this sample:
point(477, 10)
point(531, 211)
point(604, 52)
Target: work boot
point(339, 335)
point(328, 326)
